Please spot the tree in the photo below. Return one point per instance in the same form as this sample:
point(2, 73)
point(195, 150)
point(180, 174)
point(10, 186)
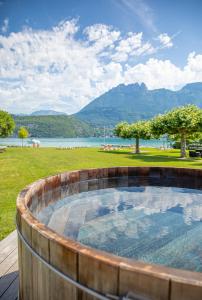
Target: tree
point(182, 121)
point(138, 130)
point(7, 124)
point(119, 127)
point(23, 134)
point(195, 138)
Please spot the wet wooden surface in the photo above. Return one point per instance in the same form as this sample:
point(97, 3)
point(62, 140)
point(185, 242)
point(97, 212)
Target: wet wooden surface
point(9, 267)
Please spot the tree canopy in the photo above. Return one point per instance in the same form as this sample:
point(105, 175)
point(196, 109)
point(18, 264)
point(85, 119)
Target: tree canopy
point(7, 124)
point(23, 133)
point(120, 129)
point(182, 121)
point(138, 130)
point(141, 129)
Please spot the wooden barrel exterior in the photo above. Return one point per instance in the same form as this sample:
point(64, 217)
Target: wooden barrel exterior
point(105, 273)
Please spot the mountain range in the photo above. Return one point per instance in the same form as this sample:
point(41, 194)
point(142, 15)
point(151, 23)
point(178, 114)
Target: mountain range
point(135, 101)
point(123, 103)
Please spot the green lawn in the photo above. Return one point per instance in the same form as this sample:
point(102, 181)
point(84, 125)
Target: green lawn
point(19, 167)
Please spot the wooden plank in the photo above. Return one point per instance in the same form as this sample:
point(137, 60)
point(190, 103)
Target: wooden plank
point(8, 262)
point(26, 264)
point(8, 245)
point(66, 261)
point(10, 238)
point(12, 292)
point(9, 267)
point(41, 276)
point(20, 270)
point(8, 278)
point(101, 276)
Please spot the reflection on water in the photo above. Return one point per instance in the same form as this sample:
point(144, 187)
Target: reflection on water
point(153, 224)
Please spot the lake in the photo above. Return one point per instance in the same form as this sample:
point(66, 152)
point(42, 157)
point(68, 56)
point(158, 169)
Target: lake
point(79, 142)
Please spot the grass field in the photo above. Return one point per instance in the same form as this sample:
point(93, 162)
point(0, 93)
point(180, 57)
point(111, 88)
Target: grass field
point(19, 167)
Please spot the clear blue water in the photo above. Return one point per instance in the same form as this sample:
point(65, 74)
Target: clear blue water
point(161, 225)
point(78, 142)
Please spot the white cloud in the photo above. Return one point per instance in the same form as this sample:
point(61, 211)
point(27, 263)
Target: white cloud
point(99, 32)
point(163, 73)
point(166, 40)
point(5, 25)
point(132, 46)
point(100, 37)
point(52, 67)
point(63, 69)
point(194, 63)
point(155, 74)
point(134, 41)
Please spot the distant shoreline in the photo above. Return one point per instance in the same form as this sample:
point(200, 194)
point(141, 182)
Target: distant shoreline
point(92, 142)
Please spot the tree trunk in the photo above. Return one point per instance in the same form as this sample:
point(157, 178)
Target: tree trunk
point(137, 147)
point(183, 145)
point(22, 142)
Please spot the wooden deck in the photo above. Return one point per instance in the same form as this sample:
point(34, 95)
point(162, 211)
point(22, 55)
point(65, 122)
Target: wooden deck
point(9, 267)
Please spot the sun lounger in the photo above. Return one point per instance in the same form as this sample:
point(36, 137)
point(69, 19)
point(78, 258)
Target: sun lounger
point(2, 149)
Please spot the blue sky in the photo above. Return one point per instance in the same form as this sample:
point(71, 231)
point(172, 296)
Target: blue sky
point(62, 54)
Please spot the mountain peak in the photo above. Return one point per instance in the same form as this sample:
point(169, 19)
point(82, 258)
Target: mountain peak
point(143, 86)
point(192, 86)
point(47, 113)
point(132, 86)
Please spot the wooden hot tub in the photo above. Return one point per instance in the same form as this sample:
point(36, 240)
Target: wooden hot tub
point(54, 267)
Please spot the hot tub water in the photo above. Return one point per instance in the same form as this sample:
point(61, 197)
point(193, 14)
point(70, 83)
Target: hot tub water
point(155, 224)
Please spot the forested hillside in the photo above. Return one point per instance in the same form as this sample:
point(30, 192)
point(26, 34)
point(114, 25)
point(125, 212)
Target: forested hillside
point(53, 126)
